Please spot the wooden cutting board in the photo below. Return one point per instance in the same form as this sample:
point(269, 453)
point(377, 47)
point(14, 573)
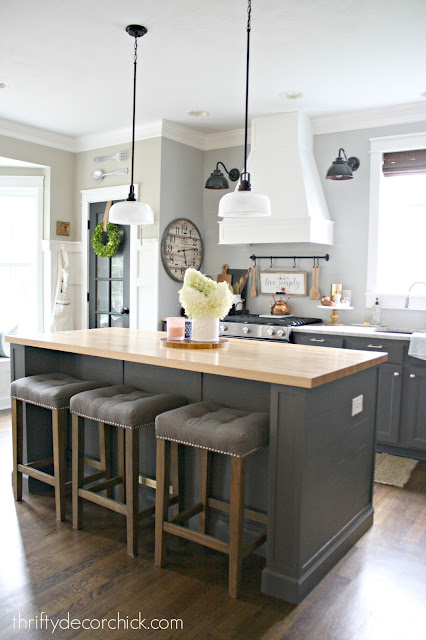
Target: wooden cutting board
point(225, 276)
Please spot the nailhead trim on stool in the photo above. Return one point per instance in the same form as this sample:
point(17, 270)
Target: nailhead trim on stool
point(211, 428)
point(51, 391)
point(128, 409)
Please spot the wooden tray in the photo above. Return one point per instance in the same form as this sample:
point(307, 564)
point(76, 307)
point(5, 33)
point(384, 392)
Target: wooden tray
point(191, 344)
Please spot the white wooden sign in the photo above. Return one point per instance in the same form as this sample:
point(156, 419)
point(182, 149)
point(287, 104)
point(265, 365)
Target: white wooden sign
point(291, 282)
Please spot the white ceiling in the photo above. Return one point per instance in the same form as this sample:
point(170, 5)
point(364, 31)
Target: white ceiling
point(68, 63)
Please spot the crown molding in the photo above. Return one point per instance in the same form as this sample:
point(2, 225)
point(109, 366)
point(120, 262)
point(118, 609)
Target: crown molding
point(35, 135)
point(370, 118)
point(117, 136)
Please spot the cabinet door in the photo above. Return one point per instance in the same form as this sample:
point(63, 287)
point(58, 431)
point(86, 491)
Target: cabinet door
point(413, 427)
point(388, 403)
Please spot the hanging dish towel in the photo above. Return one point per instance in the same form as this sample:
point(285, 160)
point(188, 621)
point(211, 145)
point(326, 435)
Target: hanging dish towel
point(61, 313)
point(417, 347)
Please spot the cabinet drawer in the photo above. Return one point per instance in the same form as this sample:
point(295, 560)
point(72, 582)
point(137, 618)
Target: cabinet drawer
point(394, 349)
point(317, 340)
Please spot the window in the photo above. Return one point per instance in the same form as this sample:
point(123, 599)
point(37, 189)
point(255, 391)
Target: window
point(20, 254)
point(397, 253)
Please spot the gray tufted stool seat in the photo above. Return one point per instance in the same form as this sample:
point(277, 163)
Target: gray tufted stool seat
point(51, 391)
point(129, 409)
point(211, 428)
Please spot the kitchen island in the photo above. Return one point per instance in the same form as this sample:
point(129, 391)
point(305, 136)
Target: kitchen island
point(320, 462)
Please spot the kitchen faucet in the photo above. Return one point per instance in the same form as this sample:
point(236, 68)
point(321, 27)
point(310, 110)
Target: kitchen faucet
point(407, 299)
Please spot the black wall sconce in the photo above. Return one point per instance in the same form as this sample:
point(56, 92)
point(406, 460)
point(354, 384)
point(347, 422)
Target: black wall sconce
point(342, 168)
point(218, 181)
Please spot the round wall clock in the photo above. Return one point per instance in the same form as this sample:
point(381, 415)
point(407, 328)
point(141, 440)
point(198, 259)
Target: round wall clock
point(181, 247)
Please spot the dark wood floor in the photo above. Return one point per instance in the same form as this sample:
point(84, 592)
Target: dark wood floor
point(377, 592)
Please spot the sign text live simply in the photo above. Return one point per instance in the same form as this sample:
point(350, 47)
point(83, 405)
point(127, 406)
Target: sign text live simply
point(292, 282)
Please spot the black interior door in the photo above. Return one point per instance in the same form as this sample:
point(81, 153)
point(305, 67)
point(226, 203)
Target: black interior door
point(108, 278)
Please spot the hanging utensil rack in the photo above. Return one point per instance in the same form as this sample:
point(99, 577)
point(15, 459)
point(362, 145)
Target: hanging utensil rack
point(326, 257)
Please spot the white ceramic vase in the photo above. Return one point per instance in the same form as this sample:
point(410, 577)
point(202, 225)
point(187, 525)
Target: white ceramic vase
point(205, 329)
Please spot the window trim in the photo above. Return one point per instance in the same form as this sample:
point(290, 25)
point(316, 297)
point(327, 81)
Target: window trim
point(36, 184)
point(378, 146)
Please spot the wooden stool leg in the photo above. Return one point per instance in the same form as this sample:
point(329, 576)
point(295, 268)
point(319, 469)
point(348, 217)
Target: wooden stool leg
point(121, 464)
point(175, 472)
point(17, 440)
point(59, 436)
point(104, 431)
point(205, 488)
point(161, 499)
point(238, 475)
point(77, 469)
point(132, 489)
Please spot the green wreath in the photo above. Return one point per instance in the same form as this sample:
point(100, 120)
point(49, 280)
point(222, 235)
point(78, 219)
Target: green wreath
point(110, 248)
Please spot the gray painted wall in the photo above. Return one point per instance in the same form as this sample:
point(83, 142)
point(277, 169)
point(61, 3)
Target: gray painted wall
point(348, 204)
point(180, 197)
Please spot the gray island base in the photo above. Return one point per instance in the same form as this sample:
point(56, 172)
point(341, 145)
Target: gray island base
point(315, 481)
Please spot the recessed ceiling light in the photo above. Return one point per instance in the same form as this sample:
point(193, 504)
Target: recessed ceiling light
point(198, 114)
point(291, 95)
point(3, 85)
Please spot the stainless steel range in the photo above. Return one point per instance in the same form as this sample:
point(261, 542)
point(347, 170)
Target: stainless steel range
point(262, 327)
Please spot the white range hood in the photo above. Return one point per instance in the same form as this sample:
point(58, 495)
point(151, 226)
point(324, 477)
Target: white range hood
point(282, 166)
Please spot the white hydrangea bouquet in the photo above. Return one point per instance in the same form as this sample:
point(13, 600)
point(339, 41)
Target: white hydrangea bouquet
point(204, 301)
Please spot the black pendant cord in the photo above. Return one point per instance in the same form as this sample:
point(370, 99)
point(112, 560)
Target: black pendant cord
point(132, 191)
point(245, 177)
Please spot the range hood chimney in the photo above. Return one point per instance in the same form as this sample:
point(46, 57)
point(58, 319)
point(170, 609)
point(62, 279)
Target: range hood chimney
point(282, 165)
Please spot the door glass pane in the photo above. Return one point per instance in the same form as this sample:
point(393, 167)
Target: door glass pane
point(102, 265)
point(116, 295)
point(102, 295)
point(117, 266)
point(102, 320)
point(117, 321)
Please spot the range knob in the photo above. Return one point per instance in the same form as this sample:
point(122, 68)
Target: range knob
point(270, 332)
point(246, 330)
point(223, 328)
point(280, 333)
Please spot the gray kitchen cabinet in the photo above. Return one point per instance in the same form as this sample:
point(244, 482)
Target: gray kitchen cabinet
point(413, 433)
point(401, 393)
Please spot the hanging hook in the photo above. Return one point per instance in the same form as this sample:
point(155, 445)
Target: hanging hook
point(294, 262)
point(270, 258)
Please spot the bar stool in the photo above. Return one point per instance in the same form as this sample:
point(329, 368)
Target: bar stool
point(51, 391)
point(211, 428)
point(128, 409)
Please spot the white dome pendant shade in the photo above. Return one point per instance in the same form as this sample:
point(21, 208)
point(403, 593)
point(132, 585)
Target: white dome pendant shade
point(243, 203)
point(130, 211)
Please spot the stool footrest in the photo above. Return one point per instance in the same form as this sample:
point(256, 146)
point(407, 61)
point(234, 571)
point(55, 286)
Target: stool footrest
point(38, 464)
point(105, 484)
point(250, 514)
point(251, 546)
point(195, 536)
point(113, 505)
point(38, 475)
point(185, 515)
point(92, 462)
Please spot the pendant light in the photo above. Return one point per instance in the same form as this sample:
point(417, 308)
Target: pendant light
point(131, 211)
point(244, 203)
point(342, 168)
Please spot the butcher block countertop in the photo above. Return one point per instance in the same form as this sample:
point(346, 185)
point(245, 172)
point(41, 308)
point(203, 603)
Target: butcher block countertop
point(280, 363)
